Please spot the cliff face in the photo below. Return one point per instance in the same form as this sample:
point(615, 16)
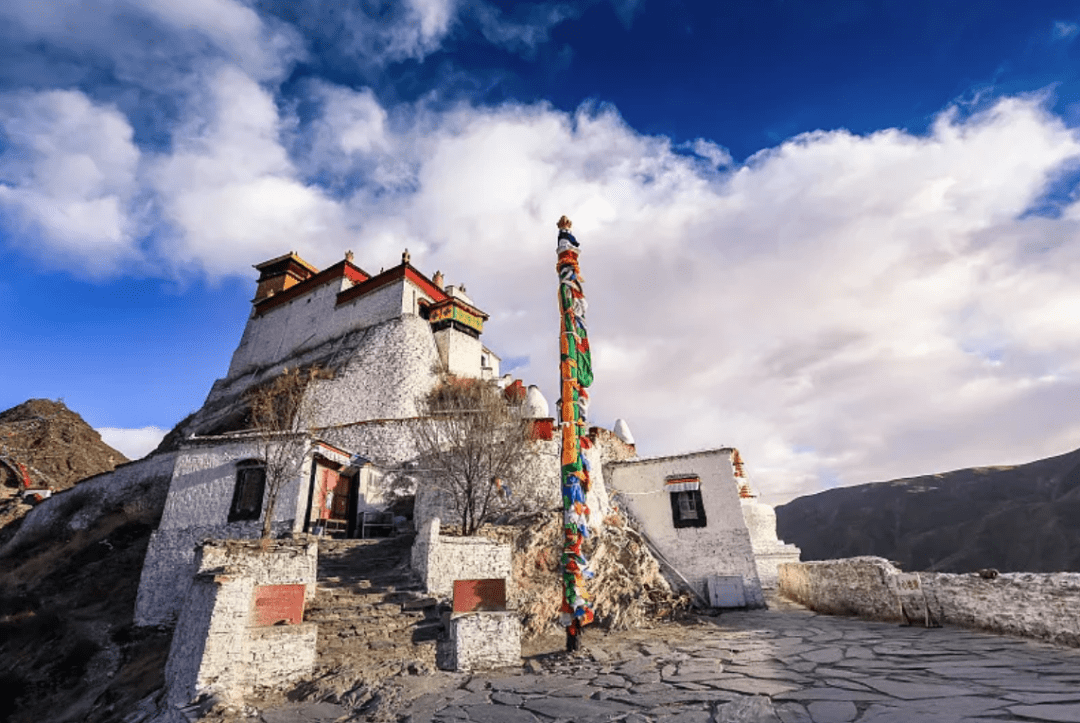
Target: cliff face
point(1023, 518)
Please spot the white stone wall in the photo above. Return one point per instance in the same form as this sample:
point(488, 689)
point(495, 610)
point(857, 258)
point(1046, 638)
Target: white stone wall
point(315, 318)
point(383, 374)
point(440, 560)
point(304, 321)
point(280, 654)
point(723, 547)
point(197, 509)
point(459, 352)
point(484, 641)
point(769, 551)
point(1035, 605)
point(215, 647)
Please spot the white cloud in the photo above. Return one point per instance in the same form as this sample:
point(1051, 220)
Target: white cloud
point(149, 40)
point(132, 443)
point(842, 308)
point(521, 35)
point(68, 176)
point(228, 188)
point(717, 156)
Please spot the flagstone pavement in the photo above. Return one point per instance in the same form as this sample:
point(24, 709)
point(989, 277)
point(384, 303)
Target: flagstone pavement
point(783, 665)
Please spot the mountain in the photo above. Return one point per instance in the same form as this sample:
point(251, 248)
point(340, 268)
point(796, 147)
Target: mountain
point(1022, 518)
point(56, 447)
point(68, 648)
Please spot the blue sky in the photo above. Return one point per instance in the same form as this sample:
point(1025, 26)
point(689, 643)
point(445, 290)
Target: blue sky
point(840, 236)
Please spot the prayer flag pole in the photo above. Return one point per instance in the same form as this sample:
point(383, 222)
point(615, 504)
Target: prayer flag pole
point(575, 376)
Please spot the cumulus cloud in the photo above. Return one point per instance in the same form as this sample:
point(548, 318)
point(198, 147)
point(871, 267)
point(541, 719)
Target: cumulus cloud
point(68, 176)
point(228, 189)
point(370, 35)
point(842, 308)
point(132, 443)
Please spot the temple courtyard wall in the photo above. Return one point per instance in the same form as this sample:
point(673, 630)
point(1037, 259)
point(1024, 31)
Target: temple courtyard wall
point(1044, 606)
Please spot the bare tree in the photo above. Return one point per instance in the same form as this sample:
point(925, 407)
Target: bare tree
point(281, 422)
point(473, 445)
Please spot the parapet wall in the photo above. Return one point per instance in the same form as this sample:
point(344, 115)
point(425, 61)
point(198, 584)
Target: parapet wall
point(1045, 606)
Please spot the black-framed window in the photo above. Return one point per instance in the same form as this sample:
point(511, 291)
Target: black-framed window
point(687, 509)
point(247, 499)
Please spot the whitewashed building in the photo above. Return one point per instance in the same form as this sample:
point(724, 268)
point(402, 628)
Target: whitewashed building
point(381, 339)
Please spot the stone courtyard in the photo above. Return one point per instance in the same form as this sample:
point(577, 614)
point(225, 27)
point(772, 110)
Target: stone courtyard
point(783, 665)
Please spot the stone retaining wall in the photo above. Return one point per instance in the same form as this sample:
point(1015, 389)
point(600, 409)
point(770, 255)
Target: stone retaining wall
point(1035, 605)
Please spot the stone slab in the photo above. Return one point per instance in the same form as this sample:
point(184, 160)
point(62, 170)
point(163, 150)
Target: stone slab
point(498, 714)
point(1063, 713)
point(581, 711)
point(832, 711)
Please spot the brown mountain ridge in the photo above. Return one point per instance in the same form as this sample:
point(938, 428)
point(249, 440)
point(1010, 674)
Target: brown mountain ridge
point(1024, 518)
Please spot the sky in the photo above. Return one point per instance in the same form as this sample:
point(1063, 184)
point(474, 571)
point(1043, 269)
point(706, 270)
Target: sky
point(841, 236)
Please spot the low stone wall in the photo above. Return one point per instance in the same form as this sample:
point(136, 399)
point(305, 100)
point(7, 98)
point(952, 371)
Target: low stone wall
point(1036, 605)
point(217, 647)
point(440, 560)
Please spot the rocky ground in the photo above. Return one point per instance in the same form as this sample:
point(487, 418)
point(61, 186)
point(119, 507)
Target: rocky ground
point(784, 665)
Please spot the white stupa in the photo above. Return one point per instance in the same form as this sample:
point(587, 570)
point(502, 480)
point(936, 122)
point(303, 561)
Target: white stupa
point(536, 406)
point(622, 431)
point(760, 519)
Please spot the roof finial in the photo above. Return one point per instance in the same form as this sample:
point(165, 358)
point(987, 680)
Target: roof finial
point(405, 257)
point(566, 239)
point(349, 256)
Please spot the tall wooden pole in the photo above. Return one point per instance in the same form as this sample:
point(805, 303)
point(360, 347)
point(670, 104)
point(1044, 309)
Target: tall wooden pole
point(575, 376)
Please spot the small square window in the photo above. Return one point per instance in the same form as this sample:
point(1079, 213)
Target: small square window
point(687, 510)
point(248, 494)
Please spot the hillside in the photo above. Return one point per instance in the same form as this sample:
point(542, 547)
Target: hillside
point(57, 448)
point(1022, 518)
point(68, 649)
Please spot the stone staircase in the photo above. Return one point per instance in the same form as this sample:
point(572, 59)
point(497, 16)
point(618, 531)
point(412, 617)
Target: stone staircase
point(372, 612)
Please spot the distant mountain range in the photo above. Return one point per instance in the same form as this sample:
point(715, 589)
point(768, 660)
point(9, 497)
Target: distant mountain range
point(1023, 518)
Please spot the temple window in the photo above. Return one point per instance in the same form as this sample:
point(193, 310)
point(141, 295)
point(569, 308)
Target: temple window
point(687, 509)
point(247, 499)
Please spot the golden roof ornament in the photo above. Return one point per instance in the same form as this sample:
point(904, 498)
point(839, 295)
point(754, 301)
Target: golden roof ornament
point(405, 257)
point(564, 223)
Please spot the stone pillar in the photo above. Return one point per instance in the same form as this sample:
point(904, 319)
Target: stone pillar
point(227, 641)
point(485, 640)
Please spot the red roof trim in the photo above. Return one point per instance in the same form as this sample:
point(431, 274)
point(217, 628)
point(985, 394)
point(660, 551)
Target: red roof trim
point(387, 277)
point(333, 273)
